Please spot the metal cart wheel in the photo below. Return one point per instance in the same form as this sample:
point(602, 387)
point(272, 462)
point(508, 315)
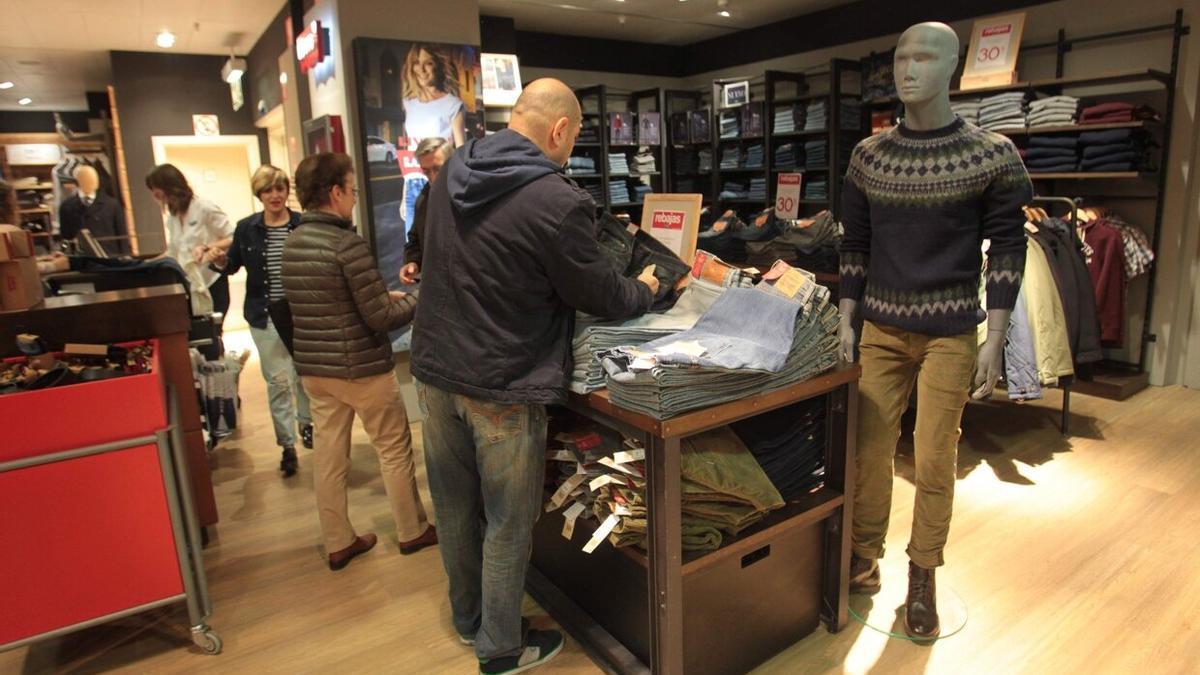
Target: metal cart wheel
point(206, 639)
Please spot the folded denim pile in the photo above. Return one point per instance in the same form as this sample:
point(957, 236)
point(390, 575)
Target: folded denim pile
point(851, 113)
point(967, 109)
point(1115, 113)
point(1114, 150)
point(1053, 111)
point(734, 190)
point(789, 445)
point(589, 132)
point(640, 190)
point(758, 189)
point(1052, 154)
point(730, 157)
point(618, 191)
point(596, 190)
point(784, 119)
point(684, 160)
point(618, 163)
point(749, 342)
point(730, 123)
point(785, 156)
point(816, 154)
point(580, 164)
point(816, 116)
point(816, 189)
point(1003, 111)
point(704, 158)
point(754, 156)
point(723, 238)
point(644, 162)
point(807, 243)
point(686, 186)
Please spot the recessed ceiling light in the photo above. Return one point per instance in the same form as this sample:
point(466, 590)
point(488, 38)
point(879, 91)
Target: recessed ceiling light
point(725, 13)
point(6, 85)
point(165, 39)
point(25, 101)
point(283, 79)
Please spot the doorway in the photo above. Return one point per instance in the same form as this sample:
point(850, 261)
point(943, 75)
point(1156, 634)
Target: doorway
point(218, 168)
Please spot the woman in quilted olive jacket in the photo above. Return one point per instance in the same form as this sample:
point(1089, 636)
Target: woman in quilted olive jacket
point(342, 313)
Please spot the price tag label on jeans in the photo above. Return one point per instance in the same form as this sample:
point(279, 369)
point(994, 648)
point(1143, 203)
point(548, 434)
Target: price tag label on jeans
point(603, 531)
point(787, 196)
point(571, 514)
point(565, 490)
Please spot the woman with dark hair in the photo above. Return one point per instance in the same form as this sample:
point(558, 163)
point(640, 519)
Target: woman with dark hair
point(342, 313)
point(194, 225)
point(430, 95)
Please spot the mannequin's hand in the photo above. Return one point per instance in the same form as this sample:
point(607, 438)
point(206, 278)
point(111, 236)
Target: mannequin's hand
point(408, 273)
point(848, 340)
point(989, 367)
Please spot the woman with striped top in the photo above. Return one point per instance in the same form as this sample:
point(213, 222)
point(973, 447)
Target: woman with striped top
point(258, 246)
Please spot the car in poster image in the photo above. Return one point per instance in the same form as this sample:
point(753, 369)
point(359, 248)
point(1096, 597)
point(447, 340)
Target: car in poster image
point(379, 150)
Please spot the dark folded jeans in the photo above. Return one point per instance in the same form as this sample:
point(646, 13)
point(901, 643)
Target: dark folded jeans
point(631, 253)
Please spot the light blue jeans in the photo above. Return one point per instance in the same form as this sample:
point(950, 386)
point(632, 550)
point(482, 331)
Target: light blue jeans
point(486, 464)
point(282, 381)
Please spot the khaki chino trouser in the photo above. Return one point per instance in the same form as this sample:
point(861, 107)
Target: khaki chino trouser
point(893, 360)
point(376, 400)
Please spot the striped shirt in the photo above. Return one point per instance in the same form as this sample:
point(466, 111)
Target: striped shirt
point(276, 236)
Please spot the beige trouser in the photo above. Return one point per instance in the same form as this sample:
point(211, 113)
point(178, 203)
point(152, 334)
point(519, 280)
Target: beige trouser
point(941, 367)
point(376, 400)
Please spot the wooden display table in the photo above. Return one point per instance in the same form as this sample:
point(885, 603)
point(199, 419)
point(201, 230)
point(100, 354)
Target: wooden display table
point(720, 611)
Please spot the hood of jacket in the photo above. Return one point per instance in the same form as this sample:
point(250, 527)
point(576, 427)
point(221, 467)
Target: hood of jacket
point(493, 166)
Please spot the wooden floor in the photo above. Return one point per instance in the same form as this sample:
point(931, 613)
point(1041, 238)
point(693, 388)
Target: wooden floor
point(1077, 556)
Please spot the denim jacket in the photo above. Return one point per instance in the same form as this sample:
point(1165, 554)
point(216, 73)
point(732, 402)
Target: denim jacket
point(249, 250)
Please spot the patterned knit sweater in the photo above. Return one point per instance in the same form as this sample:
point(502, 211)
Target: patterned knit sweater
point(916, 207)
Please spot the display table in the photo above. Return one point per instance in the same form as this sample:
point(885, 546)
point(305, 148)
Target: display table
point(720, 611)
point(157, 312)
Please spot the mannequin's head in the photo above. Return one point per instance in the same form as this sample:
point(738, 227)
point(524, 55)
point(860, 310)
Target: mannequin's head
point(88, 180)
point(926, 59)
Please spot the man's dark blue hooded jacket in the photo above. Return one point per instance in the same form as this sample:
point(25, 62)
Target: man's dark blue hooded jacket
point(510, 253)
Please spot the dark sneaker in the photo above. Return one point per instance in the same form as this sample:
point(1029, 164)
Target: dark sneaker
point(864, 576)
point(540, 647)
point(469, 640)
point(306, 436)
point(289, 464)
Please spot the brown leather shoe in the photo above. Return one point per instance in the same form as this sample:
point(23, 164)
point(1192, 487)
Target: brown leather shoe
point(339, 559)
point(429, 538)
point(864, 575)
point(920, 609)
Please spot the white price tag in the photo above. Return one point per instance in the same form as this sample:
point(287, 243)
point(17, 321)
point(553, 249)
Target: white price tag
point(601, 481)
point(601, 532)
point(570, 515)
point(564, 491)
point(612, 464)
point(561, 456)
point(626, 456)
point(787, 196)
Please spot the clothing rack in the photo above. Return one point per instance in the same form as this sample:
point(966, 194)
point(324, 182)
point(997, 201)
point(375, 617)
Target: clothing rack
point(1065, 422)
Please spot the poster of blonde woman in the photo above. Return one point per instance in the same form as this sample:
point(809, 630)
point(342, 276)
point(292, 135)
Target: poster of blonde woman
point(409, 92)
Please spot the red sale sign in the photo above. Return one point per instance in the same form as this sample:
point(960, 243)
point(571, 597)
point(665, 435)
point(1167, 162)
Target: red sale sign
point(667, 220)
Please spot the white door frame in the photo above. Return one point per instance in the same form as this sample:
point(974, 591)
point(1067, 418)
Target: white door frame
point(161, 143)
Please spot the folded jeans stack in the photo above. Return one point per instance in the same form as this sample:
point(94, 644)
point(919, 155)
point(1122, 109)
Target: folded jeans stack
point(1053, 111)
point(758, 189)
point(730, 124)
point(808, 243)
point(968, 109)
point(596, 190)
point(644, 162)
point(730, 157)
point(789, 444)
point(754, 156)
point(1113, 150)
point(704, 160)
point(733, 190)
point(817, 189)
point(1052, 154)
point(1003, 111)
point(618, 192)
point(640, 191)
point(785, 156)
point(851, 112)
point(580, 164)
point(816, 154)
point(685, 161)
point(816, 116)
point(784, 120)
point(749, 342)
point(589, 132)
point(618, 163)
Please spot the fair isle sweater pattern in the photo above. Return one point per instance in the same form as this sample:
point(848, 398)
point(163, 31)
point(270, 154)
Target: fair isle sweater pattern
point(916, 209)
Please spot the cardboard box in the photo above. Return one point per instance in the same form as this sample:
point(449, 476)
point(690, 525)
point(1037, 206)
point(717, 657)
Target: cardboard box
point(20, 284)
point(15, 243)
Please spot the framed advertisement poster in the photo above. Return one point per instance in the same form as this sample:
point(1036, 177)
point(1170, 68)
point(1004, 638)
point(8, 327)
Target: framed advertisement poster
point(501, 80)
point(674, 220)
point(992, 56)
point(408, 92)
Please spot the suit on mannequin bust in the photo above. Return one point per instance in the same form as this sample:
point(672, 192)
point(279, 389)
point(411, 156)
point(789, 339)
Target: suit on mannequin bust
point(919, 201)
point(92, 209)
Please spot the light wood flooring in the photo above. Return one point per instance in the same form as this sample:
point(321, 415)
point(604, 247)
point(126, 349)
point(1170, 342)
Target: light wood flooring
point(1075, 555)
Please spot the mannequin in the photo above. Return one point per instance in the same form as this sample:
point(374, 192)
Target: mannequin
point(919, 201)
point(92, 209)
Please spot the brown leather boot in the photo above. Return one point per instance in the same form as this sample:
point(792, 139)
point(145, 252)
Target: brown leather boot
point(427, 538)
point(864, 575)
point(339, 559)
point(920, 609)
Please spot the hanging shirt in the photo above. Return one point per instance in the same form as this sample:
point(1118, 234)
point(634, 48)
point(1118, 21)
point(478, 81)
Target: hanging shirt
point(1107, 269)
point(430, 119)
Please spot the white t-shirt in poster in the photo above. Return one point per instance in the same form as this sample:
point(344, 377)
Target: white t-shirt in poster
point(429, 119)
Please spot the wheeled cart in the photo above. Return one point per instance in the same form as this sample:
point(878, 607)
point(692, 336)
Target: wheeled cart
point(98, 520)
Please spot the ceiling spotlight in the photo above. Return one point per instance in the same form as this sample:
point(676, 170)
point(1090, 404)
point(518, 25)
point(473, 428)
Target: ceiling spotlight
point(725, 13)
point(25, 101)
point(621, 19)
point(233, 69)
point(283, 79)
point(723, 8)
point(6, 85)
point(165, 39)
